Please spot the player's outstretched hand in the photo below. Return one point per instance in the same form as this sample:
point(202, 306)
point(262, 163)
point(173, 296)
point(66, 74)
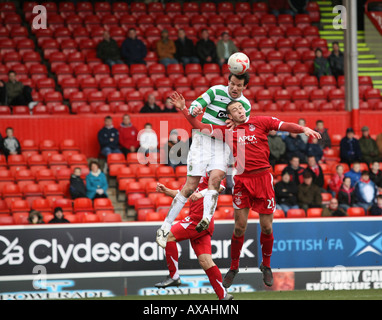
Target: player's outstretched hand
point(161, 188)
point(309, 132)
point(196, 196)
point(178, 100)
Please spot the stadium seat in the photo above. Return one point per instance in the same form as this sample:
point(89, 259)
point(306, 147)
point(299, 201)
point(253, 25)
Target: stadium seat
point(65, 204)
point(356, 212)
point(6, 220)
point(112, 217)
point(154, 216)
point(101, 204)
point(165, 172)
point(90, 218)
point(42, 205)
point(314, 212)
point(163, 202)
point(20, 217)
point(296, 213)
point(83, 205)
point(278, 214)
point(20, 206)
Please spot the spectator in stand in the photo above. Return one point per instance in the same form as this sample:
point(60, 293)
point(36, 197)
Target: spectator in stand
point(286, 193)
point(276, 147)
point(314, 149)
point(325, 141)
point(59, 216)
point(108, 138)
point(148, 139)
point(378, 140)
point(295, 170)
point(14, 93)
point(308, 193)
point(333, 210)
point(175, 150)
point(350, 150)
point(224, 48)
point(96, 182)
point(134, 51)
point(346, 195)
point(295, 147)
point(376, 208)
point(315, 169)
point(369, 148)
point(10, 143)
point(206, 48)
point(336, 60)
point(77, 188)
point(354, 173)
point(150, 106)
point(35, 217)
point(365, 192)
point(376, 174)
point(321, 65)
point(128, 136)
point(185, 49)
point(301, 122)
point(168, 107)
point(166, 49)
point(336, 180)
point(108, 50)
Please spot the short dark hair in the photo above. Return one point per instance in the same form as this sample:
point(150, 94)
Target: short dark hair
point(365, 172)
point(11, 71)
point(108, 118)
point(319, 121)
point(307, 174)
point(244, 76)
point(94, 162)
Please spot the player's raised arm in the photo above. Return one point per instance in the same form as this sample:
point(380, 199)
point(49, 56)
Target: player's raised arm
point(180, 103)
point(295, 128)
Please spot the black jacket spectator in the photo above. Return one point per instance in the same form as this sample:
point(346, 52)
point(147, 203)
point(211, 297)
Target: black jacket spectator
point(286, 193)
point(350, 150)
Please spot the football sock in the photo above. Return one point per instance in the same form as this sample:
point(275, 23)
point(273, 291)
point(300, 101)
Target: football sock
point(176, 206)
point(209, 203)
point(266, 241)
point(216, 280)
point(236, 245)
point(172, 256)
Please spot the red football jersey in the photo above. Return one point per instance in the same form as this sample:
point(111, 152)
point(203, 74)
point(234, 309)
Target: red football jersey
point(249, 142)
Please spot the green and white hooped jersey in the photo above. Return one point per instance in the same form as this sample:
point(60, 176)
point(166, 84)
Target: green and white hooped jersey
point(215, 101)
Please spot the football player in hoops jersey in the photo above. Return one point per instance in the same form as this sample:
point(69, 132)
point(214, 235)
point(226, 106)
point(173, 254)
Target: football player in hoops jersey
point(253, 185)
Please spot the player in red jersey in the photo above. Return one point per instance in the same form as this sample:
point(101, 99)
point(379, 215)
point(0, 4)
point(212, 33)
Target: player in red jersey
point(248, 139)
point(200, 242)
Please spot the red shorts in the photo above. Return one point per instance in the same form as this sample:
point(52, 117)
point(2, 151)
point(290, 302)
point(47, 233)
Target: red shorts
point(255, 191)
point(200, 242)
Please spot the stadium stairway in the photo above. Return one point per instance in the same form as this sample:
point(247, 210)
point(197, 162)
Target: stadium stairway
point(368, 64)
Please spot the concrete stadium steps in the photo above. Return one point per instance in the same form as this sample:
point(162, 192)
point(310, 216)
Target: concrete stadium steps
point(368, 64)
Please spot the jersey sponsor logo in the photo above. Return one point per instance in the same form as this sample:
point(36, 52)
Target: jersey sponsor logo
point(222, 114)
point(245, 139)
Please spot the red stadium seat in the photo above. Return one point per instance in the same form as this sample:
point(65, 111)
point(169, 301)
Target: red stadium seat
point(296, 213)
point(356, 212)
point(314, 213)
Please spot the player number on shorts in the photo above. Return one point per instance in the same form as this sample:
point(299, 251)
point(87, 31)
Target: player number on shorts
point(271, 203)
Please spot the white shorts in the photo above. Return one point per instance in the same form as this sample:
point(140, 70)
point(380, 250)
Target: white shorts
point(207, 154)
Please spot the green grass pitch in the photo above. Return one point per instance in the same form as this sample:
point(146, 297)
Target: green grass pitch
point(373, 294)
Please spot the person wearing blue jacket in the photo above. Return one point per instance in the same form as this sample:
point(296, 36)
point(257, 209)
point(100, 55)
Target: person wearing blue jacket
point(134, 51)
point(365, 192)
point(96, 183)
point(354, 173)
point(108, 138)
